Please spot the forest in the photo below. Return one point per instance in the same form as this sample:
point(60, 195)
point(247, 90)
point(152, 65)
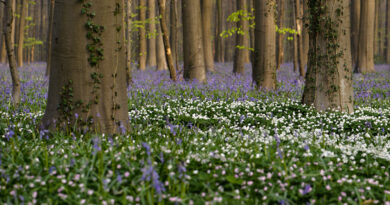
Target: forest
point(194, 102)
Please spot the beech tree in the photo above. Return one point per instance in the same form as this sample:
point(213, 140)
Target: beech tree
point(241, 54)
point(264, 68)
point(152, 41)
point(21, 32)
point(329, 72)
point(88, 76)
point(365, 61)
point(194, 66)
point(142, 36)
point(207, 11)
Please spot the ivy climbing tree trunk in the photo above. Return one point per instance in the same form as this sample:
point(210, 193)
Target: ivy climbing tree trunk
point(241, 54)
point(279, 42)
point(207, 15)
point(21, 32)
point(194, 66)
point(167, 47)
point(8, 32)
point(142, 36)
point(88, 78)
point(329, 77)
point(264, 68)
point(365, 61)
point(152, 40)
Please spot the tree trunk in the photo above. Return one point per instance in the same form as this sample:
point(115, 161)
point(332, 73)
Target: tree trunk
point(152, 40)
point(142, 35)
point(194, 67)
point(8, 22)
point(279, 42)
point(50, 37)
point(329, 77)
point(298, 13)
point(164, 33)
point(161, 59)
point(219, 44)
point(366, 37)
point(173, 33)
point(88, 82)
point(129, 41)
point(264, 68)
point(305, 34)
point(241, 55)
point(355, 24)
point(388, 32)
point(21, 32)
point(207, 13)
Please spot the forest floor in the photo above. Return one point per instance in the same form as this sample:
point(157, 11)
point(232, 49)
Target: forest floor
point(216, 143)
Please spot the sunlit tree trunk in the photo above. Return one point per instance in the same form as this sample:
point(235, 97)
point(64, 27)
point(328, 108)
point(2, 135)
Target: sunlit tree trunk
point(299, 26)
point(142, 36)
point(8, 34)
point(194, 67)
point(264, 68)
point(94, 88)
point(365, 63)
point(161, 60)
point(329, 77)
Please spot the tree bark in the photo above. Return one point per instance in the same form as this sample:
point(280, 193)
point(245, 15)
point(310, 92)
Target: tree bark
point(93, 88)
point(161, 59)
point(366, 37)
point(152, 40)
point(173, 33)
point(241, 55)
point(207, 13)
point(8, 22)
point(164, 29)
point(50, 37)
point(355, 24)
point(21, 32)
point(219, 44)
point(298, 17)
point(194, 67)
point(129, 41)
point(388, 32)
point(329, 77)
point(305, 34)
point(142, 35)
point(264, 68)
point(279, 42)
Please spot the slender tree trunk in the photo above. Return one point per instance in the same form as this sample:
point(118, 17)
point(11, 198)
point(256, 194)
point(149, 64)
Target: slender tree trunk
point(3, 50)
point(21, 32)
point(8, 22)
point(164, 29)
point(329, 77)
point(220, 49)
point(3, 54)
point(129, 41)
point(207, 13)
point(173, 33)
point(264, 68)
point(194, 67)
point(152, 40)
point(388, 32)
point(240, 56)
point(279, 42)
point(305, 33)
point(355, 24)
point(377, 28)
point(299, 37)
point(95, 90)
point(49, 40)
point(295, 40)
point(142, 36)
point(366, 37)
point(161, 59)
point(252, 33)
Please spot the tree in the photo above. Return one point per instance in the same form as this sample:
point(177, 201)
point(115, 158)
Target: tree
point(329, 76)
point(207, 13)
point(264, 68)
point(142, 35)
point(49, 37)
point(161, 60)
point(365, 61)
point(241, 54)
point(219, 42)
point(9, 44)
point(151, 52)
point(128, 23)
point(388, 32)
point(88, 78)
point(279, 41)
point(173, 33)
point(194, 66)
point(355, 24)
point(299, 27)
point(21, 32)
point(164, 33)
